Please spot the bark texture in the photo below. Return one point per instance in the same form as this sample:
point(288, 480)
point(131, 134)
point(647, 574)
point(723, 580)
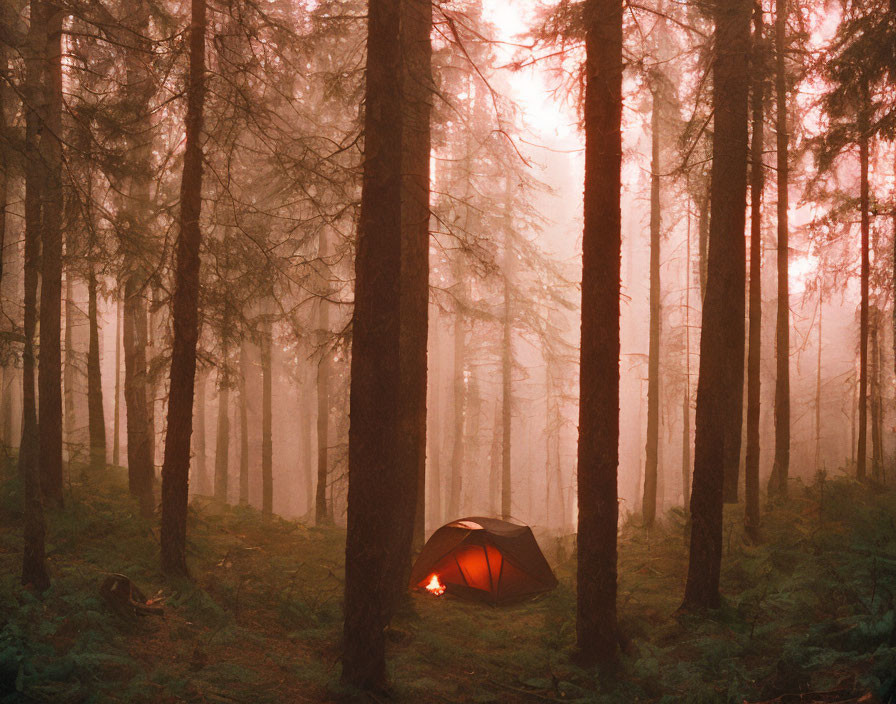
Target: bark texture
point(244, 425)
point(95, 414)
point(720, 385)
point(455, 484)
point(382, 489)
point(781, 466)
point(34, 567)
point(267, 441)
point(49, 375)
point(862, 450)
point(648, 504)
point(222, 437)
point(754, 345)
point(116, 413)
point(185, 316)
point(417, 90)
point(321, 516)
point(598, 454)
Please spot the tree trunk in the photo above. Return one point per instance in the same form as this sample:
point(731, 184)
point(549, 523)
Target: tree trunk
point(720, 385)
point(141, 474)
point(686, 449)
point(417, 91)
point(754, 352)
point(152, 371)
point(222, 436)
point(69, 369)
point(34, 568)
point(199, 479)
point(267, 445)
point(49, 376)
point(703, 241)
point(381, 489)
point(96, 418)
point(435, 435)
point(818, 389)
point(321, 516)
point(457, 447)
point(305, 416)
point(116, 422)
point(507, 360)
point(781, 466)
point(596, 627)
point(185, 317)
point(876, 434)
point(5, 165)
point(863, 314)
point(648, 505)
point(7, 371)
point(244, 425)
point(494, 483)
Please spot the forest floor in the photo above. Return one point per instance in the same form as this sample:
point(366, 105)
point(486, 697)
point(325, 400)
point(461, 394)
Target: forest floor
point(808, 615)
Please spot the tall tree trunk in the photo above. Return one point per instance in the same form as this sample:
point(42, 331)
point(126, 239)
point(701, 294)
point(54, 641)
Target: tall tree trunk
point(141, 474)
point(686, 449)
point(703, 240)
point(863, 314)
point(49, 376)
point(494, 483)
point(321, 515)
point(596, 627)
point(34, 567)
point(754, 352)
point(648, 504)
point(267, 444)
point(876, 410)
point(818, 389)
point(244, 425)
point(116, 422)
point(305, 416)
point(434, 438)
point(507, 359)
point(96, 417)
point(720, 385)
point(7, 371)
point(893, 263)
point(381, 489)
point(457, 448)
point(152, 376)
point(222, 437)
point(185, 315)
point(139, 428)
point(5, 165)
point(781, 466)
point(69, 371)
point(417, 91)
point(199, 479)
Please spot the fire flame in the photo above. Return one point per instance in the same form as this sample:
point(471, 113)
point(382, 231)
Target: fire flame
point(435, 587)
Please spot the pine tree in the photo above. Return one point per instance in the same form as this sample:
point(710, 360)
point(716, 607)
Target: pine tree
point(49, 376)
point(720, 384)
point(596, 626)
point(754, 345)
point(381, 490)
point(176, 467)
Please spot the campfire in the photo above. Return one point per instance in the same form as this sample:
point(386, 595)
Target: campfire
point(435, 587)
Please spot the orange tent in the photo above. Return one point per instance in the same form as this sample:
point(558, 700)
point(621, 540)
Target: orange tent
point(484, 559)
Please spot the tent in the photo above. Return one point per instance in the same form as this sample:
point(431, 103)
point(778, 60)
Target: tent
point(483, 559)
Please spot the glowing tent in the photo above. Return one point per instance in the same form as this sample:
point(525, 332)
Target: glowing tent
point(484, 559)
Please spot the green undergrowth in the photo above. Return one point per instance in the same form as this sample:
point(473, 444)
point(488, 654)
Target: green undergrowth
point(808, 614)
